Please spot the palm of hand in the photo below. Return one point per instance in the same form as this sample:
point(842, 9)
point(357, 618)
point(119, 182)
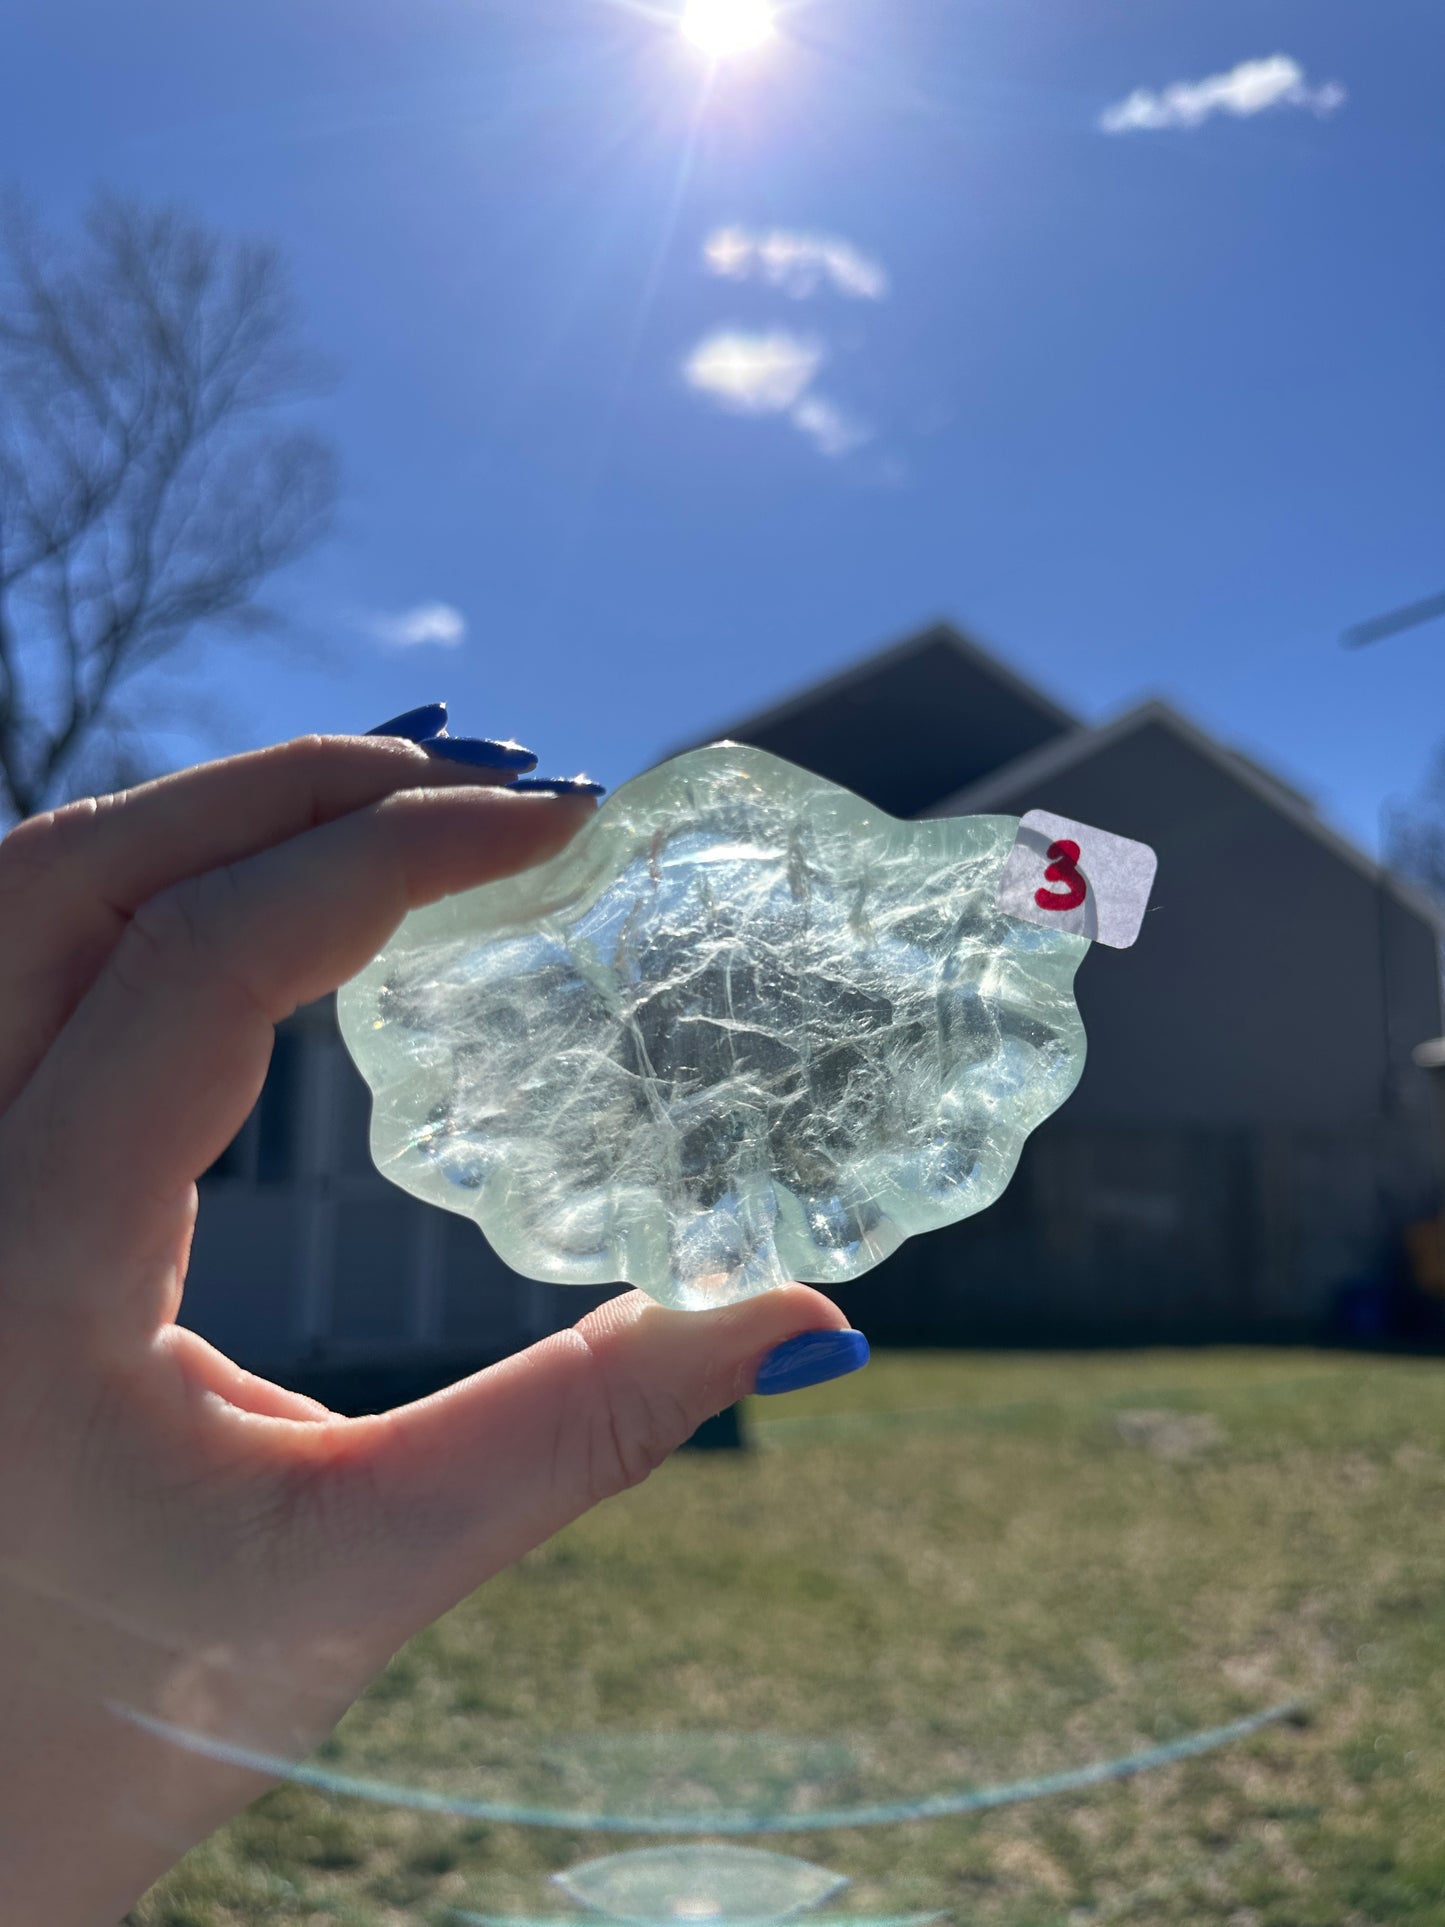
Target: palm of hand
point(177, 1536)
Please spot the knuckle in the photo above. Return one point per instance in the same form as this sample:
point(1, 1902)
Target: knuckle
point(314, 751)
point(185, 933)
point(310, 748)
point(632, 1430)
point(313, 767)
point(300, 764)
point(36, 850)
point(164, 937)
point(169, 920)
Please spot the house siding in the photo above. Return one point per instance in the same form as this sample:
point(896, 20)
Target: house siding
point(1247, 1142)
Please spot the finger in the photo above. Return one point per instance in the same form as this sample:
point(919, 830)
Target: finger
point(162, 1061)
point(469, 1480)
point(206, 1369)
point(70, 881)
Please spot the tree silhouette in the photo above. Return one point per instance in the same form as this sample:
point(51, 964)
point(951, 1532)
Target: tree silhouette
point(150, 481)
point(1415, 832)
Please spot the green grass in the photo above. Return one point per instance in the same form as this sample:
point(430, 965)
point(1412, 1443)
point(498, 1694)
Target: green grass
point(962, 1568)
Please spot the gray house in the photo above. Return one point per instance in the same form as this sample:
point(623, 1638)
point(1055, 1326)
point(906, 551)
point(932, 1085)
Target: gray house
point(1249, 1140)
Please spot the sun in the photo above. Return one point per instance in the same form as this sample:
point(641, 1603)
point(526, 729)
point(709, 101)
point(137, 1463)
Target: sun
point(725, 27)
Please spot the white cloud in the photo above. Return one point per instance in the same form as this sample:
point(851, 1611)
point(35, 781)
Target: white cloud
point(799, 264)
point(428, 622)
point(754, 374)
point(832, 430)
point(773, 374)
point(1250, 88)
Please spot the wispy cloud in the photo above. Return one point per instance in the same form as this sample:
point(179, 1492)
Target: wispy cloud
point(754, 374)
point(1250, 88)
point(773, 374)
point(797, 263)
point(832, 429)
point(428, 622)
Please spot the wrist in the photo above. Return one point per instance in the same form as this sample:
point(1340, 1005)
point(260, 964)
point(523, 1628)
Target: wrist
point(94, 1809)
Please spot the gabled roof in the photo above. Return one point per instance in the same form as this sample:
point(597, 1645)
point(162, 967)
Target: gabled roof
point(911, 724)
point(940, 635)
point(1011, 784)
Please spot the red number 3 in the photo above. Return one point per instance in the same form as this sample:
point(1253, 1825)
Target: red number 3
point(1064, 869)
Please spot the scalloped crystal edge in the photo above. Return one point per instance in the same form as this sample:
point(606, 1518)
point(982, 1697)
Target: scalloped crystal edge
point(413, 1076)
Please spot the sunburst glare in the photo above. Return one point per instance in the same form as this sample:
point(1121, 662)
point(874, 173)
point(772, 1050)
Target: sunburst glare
point(725, 27)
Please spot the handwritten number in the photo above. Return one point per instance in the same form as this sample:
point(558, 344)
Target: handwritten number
point(1063, 869)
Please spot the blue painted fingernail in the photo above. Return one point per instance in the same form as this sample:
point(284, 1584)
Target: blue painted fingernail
point(477, 753)
point(812, 1358)
point(415, 725)
point(560, 786)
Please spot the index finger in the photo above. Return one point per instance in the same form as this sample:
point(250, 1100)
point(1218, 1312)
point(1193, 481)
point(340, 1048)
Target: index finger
point(70, 881)
point(160, 1064)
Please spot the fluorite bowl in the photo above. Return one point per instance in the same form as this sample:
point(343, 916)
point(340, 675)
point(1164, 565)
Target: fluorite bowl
point(745, 1028)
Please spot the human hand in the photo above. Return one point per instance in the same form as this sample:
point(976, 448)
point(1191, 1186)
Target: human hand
point(178, 1536)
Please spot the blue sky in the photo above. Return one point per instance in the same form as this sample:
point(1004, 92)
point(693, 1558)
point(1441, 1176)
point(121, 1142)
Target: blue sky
point(1152, 410)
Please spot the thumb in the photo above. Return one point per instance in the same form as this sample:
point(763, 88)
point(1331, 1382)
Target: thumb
point(472, 1478)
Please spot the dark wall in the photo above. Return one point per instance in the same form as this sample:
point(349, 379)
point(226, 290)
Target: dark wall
point(910, 731)
point(1273, 983)
point(1247, 1141)
point(1103, 1236)
point(1249, 1137)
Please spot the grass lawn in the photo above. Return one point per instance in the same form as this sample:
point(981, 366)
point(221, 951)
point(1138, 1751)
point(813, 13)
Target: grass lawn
point(950, 1570)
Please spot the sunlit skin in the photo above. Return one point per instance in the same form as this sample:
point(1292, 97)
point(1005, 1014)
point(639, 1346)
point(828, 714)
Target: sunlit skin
point(180, 1539)
point(722, 28)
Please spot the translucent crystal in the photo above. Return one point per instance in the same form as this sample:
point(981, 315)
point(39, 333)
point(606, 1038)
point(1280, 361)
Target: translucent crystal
point(701, 1884)
point(745, 1028)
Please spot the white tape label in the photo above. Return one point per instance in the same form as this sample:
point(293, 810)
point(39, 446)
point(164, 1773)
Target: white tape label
point(1070, 876)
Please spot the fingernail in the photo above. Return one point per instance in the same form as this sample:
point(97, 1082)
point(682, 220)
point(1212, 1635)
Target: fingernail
point(812, 1358)
point(560, 786)
point(415, 725)
point(477, 753)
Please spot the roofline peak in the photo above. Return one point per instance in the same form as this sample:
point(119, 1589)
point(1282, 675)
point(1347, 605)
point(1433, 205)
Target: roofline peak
point(942, 629)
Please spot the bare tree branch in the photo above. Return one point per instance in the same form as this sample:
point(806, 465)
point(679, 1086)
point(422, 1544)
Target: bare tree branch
point(1415, 834)
point(150, 481)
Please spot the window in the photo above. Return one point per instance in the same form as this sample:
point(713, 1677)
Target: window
point(264, 1150)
